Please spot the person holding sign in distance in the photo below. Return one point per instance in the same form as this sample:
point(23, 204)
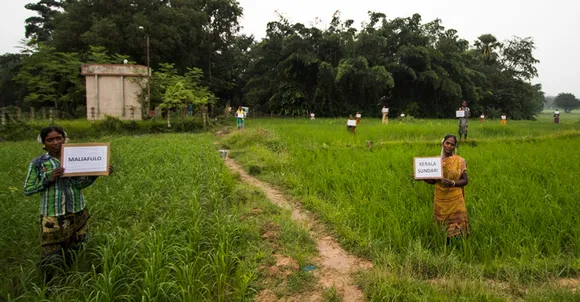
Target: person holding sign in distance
point(503, 119)
point(240, 114)
point(64, 218)
point(557, 116)
point(482, 118)
point(358, 117)
point(351, 124)
point(385, 112)
point(449, 198)
point(463, 121)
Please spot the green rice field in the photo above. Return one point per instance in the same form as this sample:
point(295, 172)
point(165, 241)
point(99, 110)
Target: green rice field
point(173, 224)
point(166, 226)
point(522, 196)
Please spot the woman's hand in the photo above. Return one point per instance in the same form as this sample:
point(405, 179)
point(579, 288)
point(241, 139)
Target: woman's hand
point(447, 182)
point(56, 173)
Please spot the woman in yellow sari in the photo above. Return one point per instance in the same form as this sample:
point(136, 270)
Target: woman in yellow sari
point(449, 202)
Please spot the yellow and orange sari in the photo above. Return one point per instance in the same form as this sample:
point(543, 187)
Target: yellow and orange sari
point(449, 202)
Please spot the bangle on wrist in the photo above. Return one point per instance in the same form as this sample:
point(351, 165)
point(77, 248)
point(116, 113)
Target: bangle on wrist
point(453, 185)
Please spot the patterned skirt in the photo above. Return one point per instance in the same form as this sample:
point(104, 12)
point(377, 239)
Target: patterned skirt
point(451, 212)
point(63, 233)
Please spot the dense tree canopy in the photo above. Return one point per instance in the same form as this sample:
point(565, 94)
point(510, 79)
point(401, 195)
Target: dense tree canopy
point(418, 68)
point(422, 69)
point(567, 101)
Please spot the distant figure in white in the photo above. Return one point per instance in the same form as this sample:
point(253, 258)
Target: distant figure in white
point(312, 116)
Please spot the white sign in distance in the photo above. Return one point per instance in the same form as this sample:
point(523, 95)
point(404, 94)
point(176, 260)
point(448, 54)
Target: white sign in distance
point(240, 115)
point(428, 167)
point(358, 116)
point(503, 117)
point(85, 159)
point(385, 110)
point(351, 123)
point(460, 113)
point(482, 116)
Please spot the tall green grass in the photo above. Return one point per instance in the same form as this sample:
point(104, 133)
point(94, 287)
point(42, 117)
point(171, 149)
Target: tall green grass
point(521, 198)
point(164, 227)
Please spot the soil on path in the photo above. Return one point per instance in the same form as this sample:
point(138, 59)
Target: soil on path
point(334, 266)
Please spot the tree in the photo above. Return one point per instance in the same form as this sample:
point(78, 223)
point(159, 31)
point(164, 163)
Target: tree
point(487, 44)
point(517, 58)
point(11, 92)
point(173, 91)
point(567, 101)
point(39, 28)
point(53, 79)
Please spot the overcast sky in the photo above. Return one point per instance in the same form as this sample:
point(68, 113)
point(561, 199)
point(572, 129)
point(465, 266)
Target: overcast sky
point(553, 25)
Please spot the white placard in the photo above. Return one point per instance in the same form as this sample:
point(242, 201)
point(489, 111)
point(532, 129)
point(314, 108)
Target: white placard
point(460, 113)
point(385, 110)
point(482, 116)
point(85, 159)
point(358, 116)
point(428, 167)
point(240, 115)
point(503, 117)
point(351, 123)
point(556, 112)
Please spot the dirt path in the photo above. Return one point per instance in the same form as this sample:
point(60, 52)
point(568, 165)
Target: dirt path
point(335, 266)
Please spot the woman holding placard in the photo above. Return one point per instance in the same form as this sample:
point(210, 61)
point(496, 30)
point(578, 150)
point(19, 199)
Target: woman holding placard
point(464, 119)
point(351, 124)
point(449, 198)
point(64, 218)
point(358, 117)
point(240, 117)
point(385, 112)
point(503, 119)
point(557, 116)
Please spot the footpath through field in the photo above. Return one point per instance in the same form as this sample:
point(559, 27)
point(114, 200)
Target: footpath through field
point(334, 266)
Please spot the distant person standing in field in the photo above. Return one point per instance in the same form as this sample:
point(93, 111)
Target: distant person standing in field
point(351, 124)
point(385, 112)
point(450, 210)
point(556, 116)
point(463, 121)
point(312, 116)
point(482, 118)
point(63, 216)
point(358, 117)
point(503, 119)
point(240, 117)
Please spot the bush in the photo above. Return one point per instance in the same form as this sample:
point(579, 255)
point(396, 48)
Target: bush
point(83, 129)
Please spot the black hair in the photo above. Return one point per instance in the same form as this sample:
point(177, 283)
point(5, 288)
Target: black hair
point(450, 135)
point(45, 131)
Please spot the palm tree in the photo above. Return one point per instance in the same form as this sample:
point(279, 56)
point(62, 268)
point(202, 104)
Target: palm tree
point(487, 44)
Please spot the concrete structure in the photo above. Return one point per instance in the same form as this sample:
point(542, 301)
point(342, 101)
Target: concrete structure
point(114, 90)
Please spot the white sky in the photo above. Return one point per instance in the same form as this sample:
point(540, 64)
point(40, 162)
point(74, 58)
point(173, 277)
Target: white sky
point(553, 25)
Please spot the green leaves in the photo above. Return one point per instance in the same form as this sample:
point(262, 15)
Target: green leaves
point(178, 91)
point(52, 78)
point(567, 101)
